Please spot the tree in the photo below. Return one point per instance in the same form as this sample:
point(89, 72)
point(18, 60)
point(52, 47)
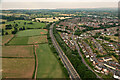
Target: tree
point(30, 23)
point(20, 29)
point(38, 20)
point(8, 26)
point(105, 29)
point(53, 17)
point(6, 33)
point(15, 30)
point(16, 25)
point(2, 31)
point(24, 23)
point(117, 30)
point(116, 34)
point(23, 27)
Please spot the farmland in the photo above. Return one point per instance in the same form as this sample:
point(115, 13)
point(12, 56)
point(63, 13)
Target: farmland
point(37, 39)
point(32, 32)
point(17, 68)
point(25, 49)
point(48, 65)
point(28, 40)
point(17, 51)
point(18, 41)
point(32, 36)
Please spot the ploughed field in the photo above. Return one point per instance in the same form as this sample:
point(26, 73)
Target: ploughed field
point(17, 67)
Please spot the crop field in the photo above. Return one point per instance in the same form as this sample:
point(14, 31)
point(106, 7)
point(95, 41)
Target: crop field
point(19, 41)
point(17, 51)
point(17, 68)
point(25, 23)
point(48, 66)
point(6, 38)
point(37, 39)
point(32, 32)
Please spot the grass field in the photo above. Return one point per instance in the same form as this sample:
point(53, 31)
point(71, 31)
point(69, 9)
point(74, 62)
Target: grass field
point(21, 24)
point(37, 39)
point(19, 41)
point(6, 38)
point(32, 32)
point(48, 66)
point(17, 68)
point(17, 51)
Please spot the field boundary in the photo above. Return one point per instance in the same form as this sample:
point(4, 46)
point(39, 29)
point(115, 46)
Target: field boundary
point(36, 62)
point(25, 44)
point(9, 41)
point(30, 36)
point(17, 57)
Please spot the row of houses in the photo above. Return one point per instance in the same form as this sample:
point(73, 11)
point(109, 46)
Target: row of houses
point(67, 39)
point(103, 65)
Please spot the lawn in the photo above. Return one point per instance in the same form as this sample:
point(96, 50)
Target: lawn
point(17, 68)
point(48, 66)
point(6, 38)
point(27, 25)
point(17, 51)
point(19, 41)
point(32, 32)
point(37, 39)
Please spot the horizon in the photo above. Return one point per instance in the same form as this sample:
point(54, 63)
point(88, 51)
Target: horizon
point(57, 5)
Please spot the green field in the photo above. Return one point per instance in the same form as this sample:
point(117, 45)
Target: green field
point(21, 24)
point(17, 51)
point(17, 67)
point(48, 66)
point(19, 41)
point(32, 32)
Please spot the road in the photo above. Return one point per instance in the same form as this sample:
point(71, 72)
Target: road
point(72, 72)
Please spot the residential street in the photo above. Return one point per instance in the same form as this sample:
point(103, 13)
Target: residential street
point(83, 60)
